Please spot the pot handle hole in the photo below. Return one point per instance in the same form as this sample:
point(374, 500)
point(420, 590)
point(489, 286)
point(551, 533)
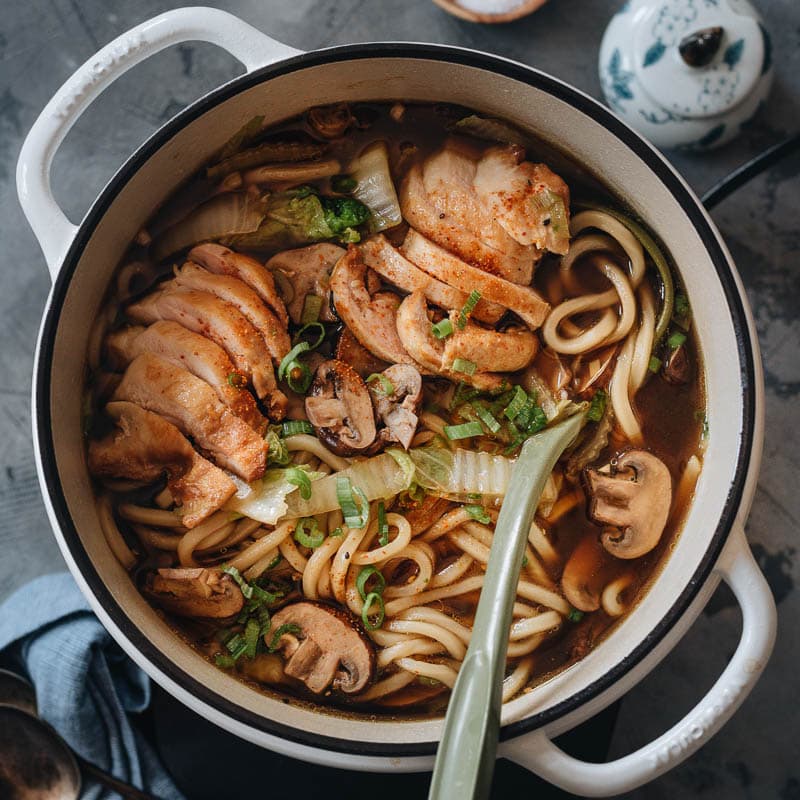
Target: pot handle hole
point(49, 223)
point(738, 568)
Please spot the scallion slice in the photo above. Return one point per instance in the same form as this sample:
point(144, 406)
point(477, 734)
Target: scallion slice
point(486, 417)
point(676, 340)
point(442, 329)
point(597, 407)
point(224, 661)
point(655, 364)
point(468, 308)
point(277, 452)
point(289, 627)
point(465, 366)
point(311, 326)
point(383, 525)
point(312, 305)
point(387, 387)
point(298, 376)
point(237, 380)
point(251, 634)
point(518, 402)
point(299, 477)
point(575, 615)
point(308, 534)
point(290, 357)
point(347, 494)
point(479, 514)
point(294, 426)
point(464, 431)
point(247, 589)
point(363, 576)
point(369, 601)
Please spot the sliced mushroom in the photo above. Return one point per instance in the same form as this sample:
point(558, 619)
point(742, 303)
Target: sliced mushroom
point(581, 581)
point(677, 368)
point(352, 352)
point(330, 648)
point(332, 121)
point(398, 408)
point(196, 592)
point(340, 409)
point(370, 318)
point(634, 494)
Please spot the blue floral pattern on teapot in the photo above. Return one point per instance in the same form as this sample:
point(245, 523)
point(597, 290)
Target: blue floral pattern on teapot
point(650, 81)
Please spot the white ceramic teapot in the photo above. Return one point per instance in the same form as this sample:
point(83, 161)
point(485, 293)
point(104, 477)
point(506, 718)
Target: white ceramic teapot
point(686, 73)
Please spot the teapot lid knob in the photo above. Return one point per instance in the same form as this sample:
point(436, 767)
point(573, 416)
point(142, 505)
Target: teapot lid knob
point(697, 58)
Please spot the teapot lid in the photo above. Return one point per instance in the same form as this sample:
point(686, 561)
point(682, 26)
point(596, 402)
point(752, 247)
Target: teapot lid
point(698, 58)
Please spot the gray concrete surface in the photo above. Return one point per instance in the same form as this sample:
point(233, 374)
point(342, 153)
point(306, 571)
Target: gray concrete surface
point(43, 41)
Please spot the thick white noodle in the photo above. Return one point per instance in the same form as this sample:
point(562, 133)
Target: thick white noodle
point(620, 396)
point(112, 534)
point(643, 349)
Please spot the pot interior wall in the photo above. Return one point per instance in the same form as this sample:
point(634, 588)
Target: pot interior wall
point(426, 80)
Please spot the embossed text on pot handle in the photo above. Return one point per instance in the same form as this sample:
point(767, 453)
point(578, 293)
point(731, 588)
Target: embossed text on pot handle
point(247, 44)
point(738, 569)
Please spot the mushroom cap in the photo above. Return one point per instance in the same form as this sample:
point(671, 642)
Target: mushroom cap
point(635, 497)
point(331, 647)
point(580, 580)
point(398, 409)
point(339, 407)
point(194, 592)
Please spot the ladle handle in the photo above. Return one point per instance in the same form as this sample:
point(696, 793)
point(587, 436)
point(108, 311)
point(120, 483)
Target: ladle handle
point(90, 772)
point(244, 42)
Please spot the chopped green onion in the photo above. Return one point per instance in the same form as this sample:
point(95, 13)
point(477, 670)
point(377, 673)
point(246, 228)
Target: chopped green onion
point(383, 526)
point(479, 514)
point(247, 589)
point(299, 477)
point(237, 380)
point(312, 305)
point(518, 402)
point(308, 534)
point(347, 494)
point(311, 326)
point(298, 376)
point(337, 531)
point(474, 496)
point(676, 340)
point(442, 329)
point(295, 426)
point(237, 645)
point(575, 615)
point(598, 406)
point(387, 387)
point(251, 634)
point(224, 661)
point(486, 417)
point(655, 364)
point(291, 357)
point(369, 601)
point(464, 431)
point(363, 576)
point(289, 627)
point(465, 366)
point(682, 308)
point(468, 308)
point(343, 184)
point(531, 419)
point(277, 452)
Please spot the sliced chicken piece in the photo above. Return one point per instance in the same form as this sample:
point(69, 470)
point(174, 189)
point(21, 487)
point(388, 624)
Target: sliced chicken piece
point(528, 200)
point(224, 261)
point(222, 323)
point(352, 352)
point(522, 300)
point(490, 350)
point(238, 294)
point(192, 406)
point(308, 270)
point(143, 446)
point(370, 319)
point(391, 264)
point(414, 330)
point(184, 348)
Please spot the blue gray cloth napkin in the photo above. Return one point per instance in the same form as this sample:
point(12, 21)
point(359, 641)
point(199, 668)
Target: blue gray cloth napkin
point(86, 687)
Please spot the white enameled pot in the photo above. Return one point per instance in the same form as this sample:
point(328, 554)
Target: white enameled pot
point(281, 82)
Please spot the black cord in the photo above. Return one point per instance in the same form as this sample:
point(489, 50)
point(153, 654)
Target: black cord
point(730, 183)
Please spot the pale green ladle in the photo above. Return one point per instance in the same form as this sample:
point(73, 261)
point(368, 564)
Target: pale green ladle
point(468, 747)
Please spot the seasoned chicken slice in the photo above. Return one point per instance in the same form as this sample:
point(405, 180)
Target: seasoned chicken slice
point(224, 261)
point(143, 446)
point(528, 200)
point(191, 351)
point(371, 319)
point(308, 269)
point(414, 330)
point(491, 351)
point(241, 296)
point(522, 300)
point(222, 323)
point(192, 406)
point(383, 257)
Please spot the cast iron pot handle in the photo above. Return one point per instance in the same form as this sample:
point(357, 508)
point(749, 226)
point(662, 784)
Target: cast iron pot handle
point(247, 44)
point(739, 570)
